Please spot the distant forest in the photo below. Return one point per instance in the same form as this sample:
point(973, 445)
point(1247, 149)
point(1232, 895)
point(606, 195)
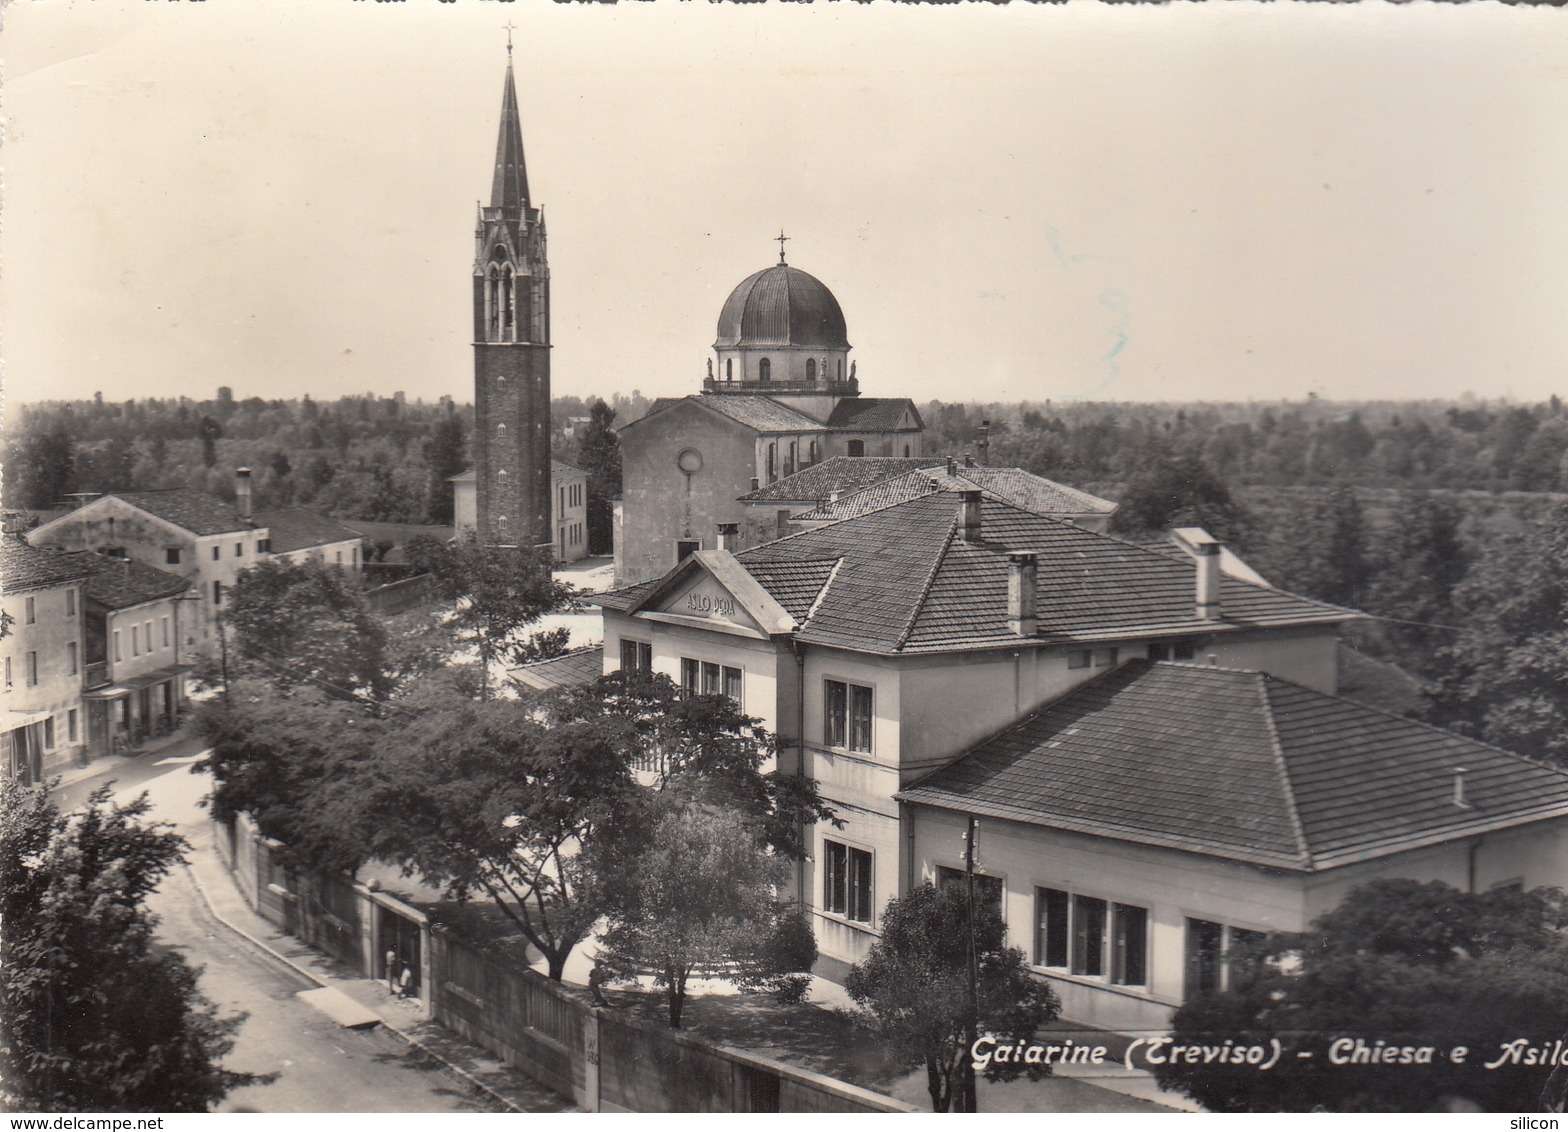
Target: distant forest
point(1444, 520)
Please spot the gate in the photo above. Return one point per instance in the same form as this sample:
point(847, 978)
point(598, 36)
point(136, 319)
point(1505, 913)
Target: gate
point(400, 937)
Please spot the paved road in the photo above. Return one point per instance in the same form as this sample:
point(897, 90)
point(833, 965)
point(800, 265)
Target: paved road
point(321, 1067)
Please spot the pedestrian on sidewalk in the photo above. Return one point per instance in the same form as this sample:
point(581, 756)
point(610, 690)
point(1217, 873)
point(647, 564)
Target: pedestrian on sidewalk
point(391, 958)
point(405, 982)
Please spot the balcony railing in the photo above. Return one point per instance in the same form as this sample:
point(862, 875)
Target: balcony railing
point(97, 675)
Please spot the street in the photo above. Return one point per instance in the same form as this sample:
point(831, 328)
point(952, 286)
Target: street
point(321, 1067)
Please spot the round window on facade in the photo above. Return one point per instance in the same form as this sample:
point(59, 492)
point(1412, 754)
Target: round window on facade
point(689, 461)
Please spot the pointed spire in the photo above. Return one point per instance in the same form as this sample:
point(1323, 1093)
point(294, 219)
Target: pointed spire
point(510, 187)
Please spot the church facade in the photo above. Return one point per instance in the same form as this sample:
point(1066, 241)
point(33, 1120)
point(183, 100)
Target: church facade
point(511, 443)
point(781, 395)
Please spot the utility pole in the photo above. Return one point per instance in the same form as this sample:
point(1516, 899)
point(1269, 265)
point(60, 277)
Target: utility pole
point(972, 1022)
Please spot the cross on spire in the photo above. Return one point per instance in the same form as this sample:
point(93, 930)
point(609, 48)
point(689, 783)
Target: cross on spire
point(510, 27)
point(781, 237)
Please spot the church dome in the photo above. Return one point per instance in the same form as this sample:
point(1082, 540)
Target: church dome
point(782, 306)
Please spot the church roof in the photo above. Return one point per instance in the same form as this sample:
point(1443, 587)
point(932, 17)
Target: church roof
point(781, 306)
point(840, 473)
point(509, 188)
point(1243, 766)
point(754, 411)
point(873, 414)
point(1011, 485)
point(907, 582)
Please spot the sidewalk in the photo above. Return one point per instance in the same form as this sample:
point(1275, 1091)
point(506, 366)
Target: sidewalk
point(507, 1088)
point(71, 773)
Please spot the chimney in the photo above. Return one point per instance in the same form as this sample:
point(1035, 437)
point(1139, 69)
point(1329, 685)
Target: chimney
point(242, 491)
point(1208, 553)
point(1021, 575)
point(969, 515)
point(755, 483)
point(1459, 789)
point(969, 460)
point(984, 443)
point(952, 466)
point(728, 532)
point(833, 497)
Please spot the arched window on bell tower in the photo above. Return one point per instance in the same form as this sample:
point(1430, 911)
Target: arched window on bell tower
point(493, 304)
point(508, 306)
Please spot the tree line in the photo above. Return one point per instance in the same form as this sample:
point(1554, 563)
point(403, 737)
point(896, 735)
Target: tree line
point(377, 459)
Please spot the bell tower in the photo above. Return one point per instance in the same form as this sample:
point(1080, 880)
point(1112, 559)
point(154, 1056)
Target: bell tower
point(511, 349)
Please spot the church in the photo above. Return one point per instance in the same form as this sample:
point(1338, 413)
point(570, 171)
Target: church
point(783, 396)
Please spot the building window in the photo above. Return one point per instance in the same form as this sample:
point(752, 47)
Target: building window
point(354, 554)
point(147, 634)
point(988, 889)
point(794, 457)
point(500, 524)
point(217, 593)
point(1086, 935)
point(906, 451)
point(857, 447)
point(171, 556)
point(31, 615)
point(264, 546)
point(729, 369)
point(773, 456)
point(685, 548)
point(70, 726)
point(1217, 954)
point(636, 656)
point(1172, 650)
point(70, 603)
point(165, 632)
point(117, 644)
point(846, 881)
point(764, 370)
point(31, 670)
point(70, 658)
point(239, 550)
point(847, 716)
point(709, 679)
point(338, 559)
point(215, 551)
point(1091, 658)
point(813, 452)
point(811, 369)
point(49, 733)
point(136, 640)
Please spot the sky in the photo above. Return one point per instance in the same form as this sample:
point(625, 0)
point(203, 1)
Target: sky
point(1080, 201)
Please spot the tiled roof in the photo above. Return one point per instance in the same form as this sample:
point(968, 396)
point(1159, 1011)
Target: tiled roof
point(907, 584)
point(841, 474)
point(1010, 485)
point(25, 567)
point(873, 414)
point(756, 412)
point(294, 528)
point(1243, 766)
point(195, 511)
point(569, 670)
point(794, 585)
point(120, 582)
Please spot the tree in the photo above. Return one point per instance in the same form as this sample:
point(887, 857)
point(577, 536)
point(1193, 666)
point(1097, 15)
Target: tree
point(94, 1017)
point(698, 900)
point(446, 455)
point(914, 990)
point(44, 467)
point(483, 797)
point(1420, 559)
point(288, 758)
point(210, 431)
point(1397, 964)
point(1177, 491)
point(599, 454)
point(1505, 677)
point(498, 591)
point(305, 623)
